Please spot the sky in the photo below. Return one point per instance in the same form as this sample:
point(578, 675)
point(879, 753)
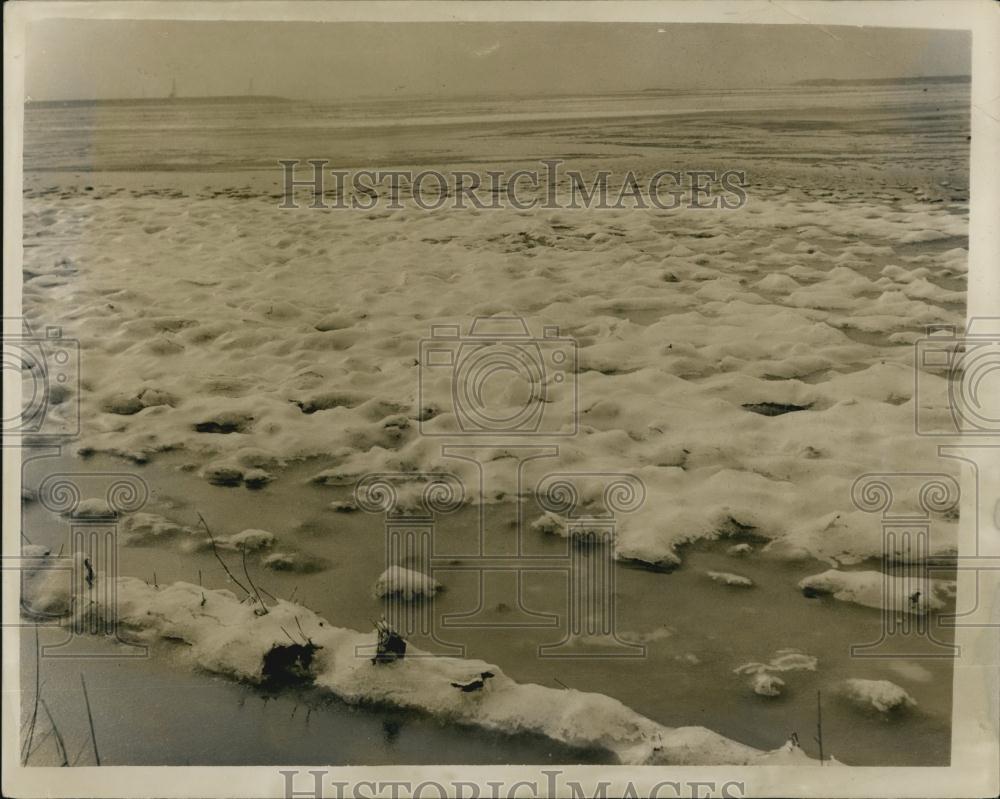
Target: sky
point(85, 59)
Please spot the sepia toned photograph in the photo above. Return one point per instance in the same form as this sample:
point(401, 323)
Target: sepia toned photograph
point(400, 396)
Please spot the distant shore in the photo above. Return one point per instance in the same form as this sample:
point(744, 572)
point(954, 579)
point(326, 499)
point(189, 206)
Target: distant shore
point(884, 81)
point(131, 101)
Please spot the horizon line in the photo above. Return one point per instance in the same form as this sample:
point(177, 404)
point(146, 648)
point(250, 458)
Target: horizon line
point(805, 83)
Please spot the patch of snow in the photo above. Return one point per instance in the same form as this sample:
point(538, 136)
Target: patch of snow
point(784, 660)
point(251, 540)
point(765, 684)
point(882, 695)
point(727, 578)
point(406, 584)
point(146, 528)
point(292, 562)
point(93, 508)
point(45, 585)
point(875, 589)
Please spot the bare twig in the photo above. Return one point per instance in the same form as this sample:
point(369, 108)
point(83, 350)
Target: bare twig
point(90, 718)
point(34, 712)
point(60, 743)
point(303, 632)
point(218, 557)
point(247, 573)
point(819, 726)
point(265, 591)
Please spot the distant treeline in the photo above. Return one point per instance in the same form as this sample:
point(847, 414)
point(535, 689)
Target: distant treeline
point(884, 81)
point(227, 98)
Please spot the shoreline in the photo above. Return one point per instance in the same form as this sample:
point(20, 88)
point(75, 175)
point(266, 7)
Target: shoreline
point(344, 596)
point(234, 639)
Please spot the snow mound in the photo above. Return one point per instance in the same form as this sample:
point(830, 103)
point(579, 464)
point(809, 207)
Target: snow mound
point(251, 540)
point(405, 584)
point(784, 660)
point(765, 684)
point(231, 473)
point(300, 562)
point(875, 589)
point(145, 528)
point(550, 523)
point(727, 578)
point(46, 585)
point(93, 508)
point(882, 695)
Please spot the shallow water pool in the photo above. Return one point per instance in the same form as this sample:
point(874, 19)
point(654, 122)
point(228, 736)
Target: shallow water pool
point(696, 633)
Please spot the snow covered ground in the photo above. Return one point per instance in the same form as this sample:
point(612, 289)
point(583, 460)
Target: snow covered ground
point(198, 322)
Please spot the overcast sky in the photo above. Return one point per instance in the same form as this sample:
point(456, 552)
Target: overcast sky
point(89, 59)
